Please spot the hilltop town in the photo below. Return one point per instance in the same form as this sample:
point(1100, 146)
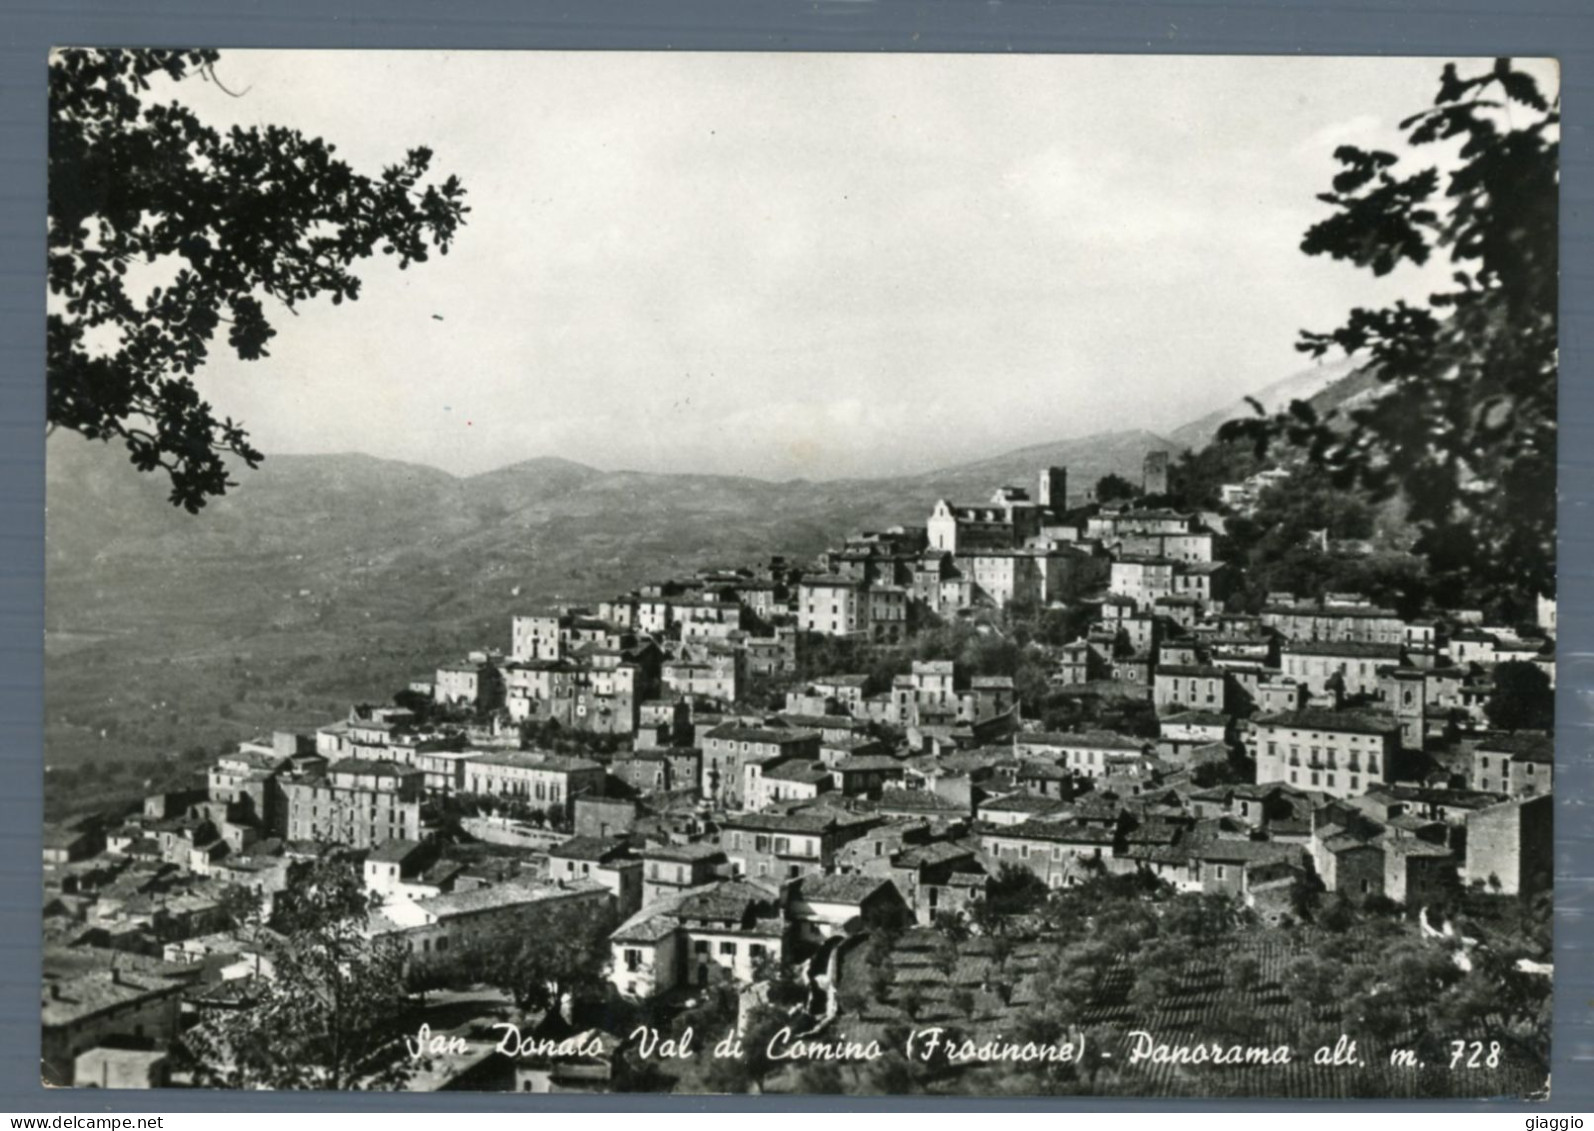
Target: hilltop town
point(851, 790)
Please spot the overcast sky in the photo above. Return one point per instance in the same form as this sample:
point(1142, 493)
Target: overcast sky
point(792, 265)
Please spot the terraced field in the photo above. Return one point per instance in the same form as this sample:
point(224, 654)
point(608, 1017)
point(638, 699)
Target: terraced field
point(987, 997)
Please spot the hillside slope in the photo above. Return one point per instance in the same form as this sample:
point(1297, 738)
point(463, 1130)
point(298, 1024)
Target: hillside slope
point(322, 579)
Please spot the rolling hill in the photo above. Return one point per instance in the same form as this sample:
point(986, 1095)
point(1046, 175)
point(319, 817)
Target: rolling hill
point(325, 578)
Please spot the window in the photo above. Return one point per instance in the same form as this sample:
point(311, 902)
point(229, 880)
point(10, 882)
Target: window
point(728, 947)
point(756, 951)
point(700, 946)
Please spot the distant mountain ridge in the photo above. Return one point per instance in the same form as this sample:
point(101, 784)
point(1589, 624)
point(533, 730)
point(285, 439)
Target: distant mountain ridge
point(99, 509)
point(1322, 385)
point(326, 578)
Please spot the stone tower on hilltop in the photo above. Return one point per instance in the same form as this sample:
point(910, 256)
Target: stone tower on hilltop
point(1053, 491)
point(1154, 477)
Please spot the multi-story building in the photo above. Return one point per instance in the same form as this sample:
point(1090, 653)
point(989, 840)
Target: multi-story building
point(1353, 665)
point(474, 682)
point(1190, 687)
point(1142, 580)
point(780, 846)
point(1518, 765)
point(964, 529)
point(435, 930)
point(538, 636)
point(730, 747)
point(727, 929)
point(1364, 623)
point(714, 674)
point(669, 869)
point(795, 780)
point(1084, 755)
point(605, 860)
point(1511, 846)
point(1056, 851)
point(533, 776)
point(354, 802)
point(603, 693)
point(832, 606)
point(1341, 753)
point(108, 1006)
point(1184, 546)
point(1005, 576)
point(1111, 523)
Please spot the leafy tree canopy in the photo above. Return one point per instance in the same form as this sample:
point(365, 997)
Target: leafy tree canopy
point(226, 220)
point(1112, 488)
point(327, 1013)
point(1464, 428)
point(1522, 698)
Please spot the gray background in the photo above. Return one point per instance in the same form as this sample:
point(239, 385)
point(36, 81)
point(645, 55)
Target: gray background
point(1561, 28)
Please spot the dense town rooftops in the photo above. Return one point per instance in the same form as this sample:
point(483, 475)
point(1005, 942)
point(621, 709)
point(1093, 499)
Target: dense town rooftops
point(1226, 850)
point(1356, 612)
point(1412, 846)
point(1090, 740)
point(814, 822)
point(1195, 719)
point(776, 736)
point(1061, 832)
point(867, 763)
point(683, 853)
point(839, 889)
point(453, 904)
point(533, 760)
point(257, 760)
point(1344, 722)
point(70, 1000)
point(394, 851)
point(598, 849)
point(467, 667)
point(918, 801)
point(1352, 648)
point(1021, 803)
point(806, 773)
point(731, 901)
point(369, 768)
point(1523, 747)
point(823, 722)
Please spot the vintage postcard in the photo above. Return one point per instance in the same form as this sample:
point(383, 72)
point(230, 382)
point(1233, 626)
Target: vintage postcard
point(800, 573)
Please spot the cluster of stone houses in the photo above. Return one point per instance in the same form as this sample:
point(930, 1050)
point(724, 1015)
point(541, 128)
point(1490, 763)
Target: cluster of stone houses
point(726, 833)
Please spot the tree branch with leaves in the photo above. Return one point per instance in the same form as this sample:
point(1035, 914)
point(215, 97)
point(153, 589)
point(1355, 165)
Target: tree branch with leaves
point(1463, 428)
point(237, 217)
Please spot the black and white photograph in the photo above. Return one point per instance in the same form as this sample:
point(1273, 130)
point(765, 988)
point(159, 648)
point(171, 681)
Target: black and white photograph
point(800, 574)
